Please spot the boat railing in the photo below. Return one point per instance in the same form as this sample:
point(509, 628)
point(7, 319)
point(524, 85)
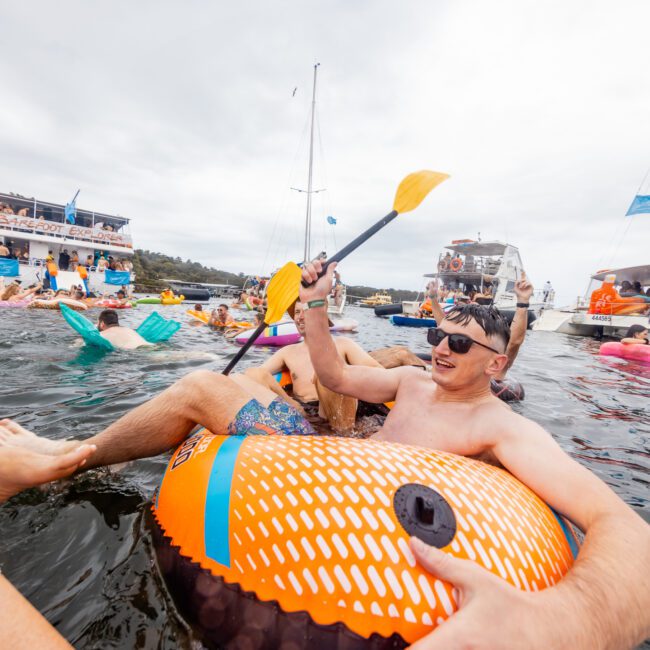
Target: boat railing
point(479, 265)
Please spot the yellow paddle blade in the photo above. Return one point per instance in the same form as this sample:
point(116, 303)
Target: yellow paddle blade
point(282, 291)
point(414, 188)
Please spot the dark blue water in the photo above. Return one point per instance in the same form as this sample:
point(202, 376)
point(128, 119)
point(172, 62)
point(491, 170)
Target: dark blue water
point(80, 551)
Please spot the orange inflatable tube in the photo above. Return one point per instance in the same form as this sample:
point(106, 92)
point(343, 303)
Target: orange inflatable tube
point(307, 537)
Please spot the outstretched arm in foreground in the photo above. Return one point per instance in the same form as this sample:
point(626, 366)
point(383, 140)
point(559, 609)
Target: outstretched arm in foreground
point(604, 600)
point(364, 382)
point(601, 604)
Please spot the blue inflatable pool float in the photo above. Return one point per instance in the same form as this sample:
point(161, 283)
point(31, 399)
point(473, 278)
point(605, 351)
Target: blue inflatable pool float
point(154, 329)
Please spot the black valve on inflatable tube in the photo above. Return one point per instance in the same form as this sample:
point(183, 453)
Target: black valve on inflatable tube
point(425, 514)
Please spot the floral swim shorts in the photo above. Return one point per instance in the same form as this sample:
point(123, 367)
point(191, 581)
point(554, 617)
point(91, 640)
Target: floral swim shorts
point(277, 418)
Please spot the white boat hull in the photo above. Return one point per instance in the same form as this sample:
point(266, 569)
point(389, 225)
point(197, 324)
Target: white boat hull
point(579, 323)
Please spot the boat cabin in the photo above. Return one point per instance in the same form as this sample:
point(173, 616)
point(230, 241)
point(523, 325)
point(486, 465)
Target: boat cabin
point(629, 293)
point(488, 268)
point(32, 229)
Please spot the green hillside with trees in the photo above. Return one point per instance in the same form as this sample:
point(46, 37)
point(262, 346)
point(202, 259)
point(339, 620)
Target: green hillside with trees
point(150, 269)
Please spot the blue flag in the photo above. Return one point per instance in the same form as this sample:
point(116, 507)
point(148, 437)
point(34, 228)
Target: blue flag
point(640, 205)
point(331, 220)
point(117, 277)
point(9, 268)
point(70, 211)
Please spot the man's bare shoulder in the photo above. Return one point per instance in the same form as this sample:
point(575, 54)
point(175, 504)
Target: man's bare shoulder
point(497, 422)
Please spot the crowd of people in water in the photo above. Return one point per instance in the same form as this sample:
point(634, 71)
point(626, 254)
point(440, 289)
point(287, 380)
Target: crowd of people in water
point(452, 408)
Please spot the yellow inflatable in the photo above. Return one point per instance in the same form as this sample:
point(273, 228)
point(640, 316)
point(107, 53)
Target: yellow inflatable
point(175, 300)
point(303, 540)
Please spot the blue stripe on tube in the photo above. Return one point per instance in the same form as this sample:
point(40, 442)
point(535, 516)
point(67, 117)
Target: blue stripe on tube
point(217, 501)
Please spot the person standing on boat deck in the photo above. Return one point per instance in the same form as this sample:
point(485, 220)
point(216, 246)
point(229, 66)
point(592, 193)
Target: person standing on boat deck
point(4, 251)
point(547, 289)
point(64, 260)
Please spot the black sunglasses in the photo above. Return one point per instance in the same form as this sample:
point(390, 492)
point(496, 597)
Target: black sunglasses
point(459, 343)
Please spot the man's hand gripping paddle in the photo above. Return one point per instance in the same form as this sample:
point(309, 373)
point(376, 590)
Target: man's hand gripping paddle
point(283, 288)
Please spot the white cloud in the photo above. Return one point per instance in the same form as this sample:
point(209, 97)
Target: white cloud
point(180, 115)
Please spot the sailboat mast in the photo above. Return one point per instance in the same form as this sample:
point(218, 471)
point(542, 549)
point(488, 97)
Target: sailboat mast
point(307, 255)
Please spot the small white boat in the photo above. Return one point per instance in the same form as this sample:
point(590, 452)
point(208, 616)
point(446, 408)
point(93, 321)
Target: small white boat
point(585, 318)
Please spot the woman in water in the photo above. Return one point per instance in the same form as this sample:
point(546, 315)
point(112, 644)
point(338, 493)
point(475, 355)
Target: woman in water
point(636, 334)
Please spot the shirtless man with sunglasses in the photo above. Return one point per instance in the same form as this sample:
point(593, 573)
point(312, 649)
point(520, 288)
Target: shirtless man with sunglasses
point(604, 601)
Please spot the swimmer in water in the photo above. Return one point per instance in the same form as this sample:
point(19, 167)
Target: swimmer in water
point(120, 337)
point(636, 335)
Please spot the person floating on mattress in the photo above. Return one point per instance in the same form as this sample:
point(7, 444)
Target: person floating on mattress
point(123, 338)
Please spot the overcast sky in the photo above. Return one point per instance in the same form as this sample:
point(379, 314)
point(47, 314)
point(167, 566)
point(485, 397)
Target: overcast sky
point(181, 116)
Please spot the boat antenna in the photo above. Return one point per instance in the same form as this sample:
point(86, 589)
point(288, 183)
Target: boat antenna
point(311, 165)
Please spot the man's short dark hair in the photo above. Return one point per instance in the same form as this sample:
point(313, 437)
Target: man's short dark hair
point(121, 292)
point(109, 318)
point(489, 318)
point(223, 305)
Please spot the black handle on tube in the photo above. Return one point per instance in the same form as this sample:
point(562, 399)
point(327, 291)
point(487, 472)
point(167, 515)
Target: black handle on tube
point(355, 243)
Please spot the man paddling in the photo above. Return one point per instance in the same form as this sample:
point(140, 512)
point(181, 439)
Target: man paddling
point(339, 410)
point(603, 601)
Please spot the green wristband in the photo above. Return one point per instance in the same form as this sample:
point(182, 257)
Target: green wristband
point(312, 304)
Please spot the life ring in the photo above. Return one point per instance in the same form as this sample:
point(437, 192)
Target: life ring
point(629, 351)
point(443, 264)
point(456, 264)
point(269, 540)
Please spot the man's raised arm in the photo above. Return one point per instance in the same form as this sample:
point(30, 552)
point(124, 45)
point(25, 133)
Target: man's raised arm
point(363, 382)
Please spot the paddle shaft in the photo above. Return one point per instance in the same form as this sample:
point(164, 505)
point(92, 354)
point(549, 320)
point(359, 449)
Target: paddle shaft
point(355, 243)
point(242, 351)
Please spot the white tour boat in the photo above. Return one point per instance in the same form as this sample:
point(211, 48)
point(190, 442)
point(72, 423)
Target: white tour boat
point(34, 230)
point(489, 268)
point(589, 316)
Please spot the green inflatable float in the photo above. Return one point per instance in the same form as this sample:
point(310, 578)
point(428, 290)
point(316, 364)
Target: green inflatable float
point(154, 329)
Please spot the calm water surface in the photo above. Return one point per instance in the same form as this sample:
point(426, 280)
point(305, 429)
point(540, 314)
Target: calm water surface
point(80, 551)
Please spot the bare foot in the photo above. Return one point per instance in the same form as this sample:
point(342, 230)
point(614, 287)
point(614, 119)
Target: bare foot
point(12, 434)
point(22, 468)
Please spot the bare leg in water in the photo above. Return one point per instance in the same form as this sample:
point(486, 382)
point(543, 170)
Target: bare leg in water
point(202, 397)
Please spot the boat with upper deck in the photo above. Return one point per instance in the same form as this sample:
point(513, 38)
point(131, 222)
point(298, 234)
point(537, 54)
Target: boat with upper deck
point(33, 229)
point(591, 315)
point(488, 269)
